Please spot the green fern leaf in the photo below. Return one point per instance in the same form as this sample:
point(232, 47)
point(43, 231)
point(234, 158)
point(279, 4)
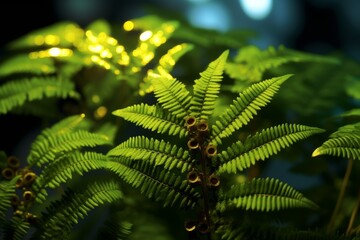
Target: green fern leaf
point(345, 142)
point(207, 87)
point(16, 93)
point(66, 125)
point(7, 191)
point(263, 195)
point(16, 229)
point(172, 95)
point(251, 62)
point(153, 118)
point(61, 215)
point(164, 67)
point(52, 147)
point(62, 170)
point(24, 64)
point(245, 107)
point(241, 155)
point(157, 152)
point(155, 182)
point(114, 228)
point(63, 34)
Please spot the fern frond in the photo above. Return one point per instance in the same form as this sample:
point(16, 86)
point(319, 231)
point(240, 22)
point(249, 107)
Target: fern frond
point(164, 67)
point(259, 194)
point(345, 142)
point(345, 147)
point(65, 125)
point(49, 148)
point(172, 95)
point(16, 93)
point(251, 62)
point(115, 229)
point(157, 152)
point(351, 113)
point(155, 182)
point(7, 191)
point(16, 229)
point(241, 155)
point(207, 87)
point(245, 107)
point(63, 169)
point(24, 64)
point(61, 215)
point(153, 118)
point(63, 34)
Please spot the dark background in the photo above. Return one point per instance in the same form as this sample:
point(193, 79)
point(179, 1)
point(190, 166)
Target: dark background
point(318, 26)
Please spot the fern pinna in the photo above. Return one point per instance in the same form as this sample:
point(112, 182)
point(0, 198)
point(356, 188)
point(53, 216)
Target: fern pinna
point(58, 154)
point(185, 168)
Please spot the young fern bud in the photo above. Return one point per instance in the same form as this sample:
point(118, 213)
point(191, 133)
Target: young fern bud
point(190, 123)
point(28, 196)
point(213, 180)
point(193, 143)
point(210, 150)
point(8, 173)
point(13, 162)
point(193, 177)
point(203, 127)
point(29, 178)
point(190, 225)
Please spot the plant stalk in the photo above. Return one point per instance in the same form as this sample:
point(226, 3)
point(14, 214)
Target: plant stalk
point(204, 189)
point(341, 196)
point(353, 215)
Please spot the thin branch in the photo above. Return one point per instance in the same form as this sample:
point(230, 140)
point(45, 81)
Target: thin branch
point(349, 229)
point(341, 196)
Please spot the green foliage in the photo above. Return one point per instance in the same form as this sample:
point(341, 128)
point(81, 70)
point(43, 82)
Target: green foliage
point(197, 148)
point(345, 143)
point(16, 93)
point(250, 63)
point(61, 215)
point(192, 111)
point(262, 195)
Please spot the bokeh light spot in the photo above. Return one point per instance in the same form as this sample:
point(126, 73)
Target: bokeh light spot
point(256, 9)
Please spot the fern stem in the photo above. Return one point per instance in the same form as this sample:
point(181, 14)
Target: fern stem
point(341, 196)
point(353, 215)
point(205, 192)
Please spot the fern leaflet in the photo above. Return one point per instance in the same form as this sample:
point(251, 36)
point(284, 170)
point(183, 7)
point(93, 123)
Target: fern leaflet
point(52, 147)
point(345, 142)
point(60, 171)
point(154, 118)
point(172, 95)
point(15, 93)
point(154, 182)
point(263, 195)
point(245, 107)
point(7, 191)
point(251, 62)
point(241, 155)
point(207, 88)
point(24, 64)
point(157, 152)
point(61, 215)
